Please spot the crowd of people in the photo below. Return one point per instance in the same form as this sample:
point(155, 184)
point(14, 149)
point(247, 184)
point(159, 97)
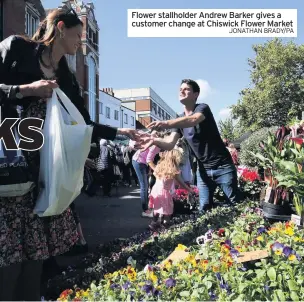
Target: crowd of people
point(109, 164)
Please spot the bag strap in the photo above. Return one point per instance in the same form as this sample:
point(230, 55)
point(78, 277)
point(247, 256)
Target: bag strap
point(71, 108)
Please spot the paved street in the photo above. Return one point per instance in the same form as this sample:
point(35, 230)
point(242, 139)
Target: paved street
point(104, 219)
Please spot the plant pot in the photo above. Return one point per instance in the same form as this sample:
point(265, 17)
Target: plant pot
point(277, 212)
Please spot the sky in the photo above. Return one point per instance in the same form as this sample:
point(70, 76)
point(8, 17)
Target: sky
point(220, 65)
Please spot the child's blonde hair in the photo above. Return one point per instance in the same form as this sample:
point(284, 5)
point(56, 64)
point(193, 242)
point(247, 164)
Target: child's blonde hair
point(168, 166)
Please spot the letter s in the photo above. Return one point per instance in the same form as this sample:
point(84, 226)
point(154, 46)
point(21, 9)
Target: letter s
point(29, 130)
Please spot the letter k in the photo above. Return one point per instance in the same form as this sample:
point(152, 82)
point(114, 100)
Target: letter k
point(6, 133)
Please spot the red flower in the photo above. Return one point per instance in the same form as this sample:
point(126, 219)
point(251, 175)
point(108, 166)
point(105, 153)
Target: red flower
point(299, 141)
point(249, 175)
point(221, 232)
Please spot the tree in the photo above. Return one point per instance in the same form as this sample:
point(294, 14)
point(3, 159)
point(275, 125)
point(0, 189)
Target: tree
point(277, 92)
point(229, 129)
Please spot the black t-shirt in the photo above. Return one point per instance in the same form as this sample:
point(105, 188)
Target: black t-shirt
point(205, 141)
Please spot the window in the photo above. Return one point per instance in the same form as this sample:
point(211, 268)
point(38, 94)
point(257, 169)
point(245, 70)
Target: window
point(116, 115)
point(100, 108)
point(132, 120)
point(92, 88)
point(153, 106)
point(31, 21)
point(126, 118)
point(108, 112)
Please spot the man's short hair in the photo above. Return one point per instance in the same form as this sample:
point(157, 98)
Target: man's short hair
point(191, 83)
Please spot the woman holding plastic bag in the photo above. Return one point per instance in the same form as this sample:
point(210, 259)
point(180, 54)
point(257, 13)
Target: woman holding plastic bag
point(29, 71)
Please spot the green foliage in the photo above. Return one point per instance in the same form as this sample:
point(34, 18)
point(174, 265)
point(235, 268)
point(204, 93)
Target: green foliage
point(277, 86)
point(251, 144)
point(229, 130)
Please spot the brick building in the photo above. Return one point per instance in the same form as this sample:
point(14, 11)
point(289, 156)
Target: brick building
point(86, 62)
point(20, 17)
point(23, 17)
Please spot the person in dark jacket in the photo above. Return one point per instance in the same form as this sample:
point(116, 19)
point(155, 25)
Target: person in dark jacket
point(105, 168)
point(29, 70)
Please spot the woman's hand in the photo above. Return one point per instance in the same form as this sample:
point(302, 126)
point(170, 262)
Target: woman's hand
point(90, 163)
point(41, 88)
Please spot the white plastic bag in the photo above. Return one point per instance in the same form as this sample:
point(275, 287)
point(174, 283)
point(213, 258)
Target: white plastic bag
point(67, 141)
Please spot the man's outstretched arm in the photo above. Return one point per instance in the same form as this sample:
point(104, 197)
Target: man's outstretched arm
point(181, 122)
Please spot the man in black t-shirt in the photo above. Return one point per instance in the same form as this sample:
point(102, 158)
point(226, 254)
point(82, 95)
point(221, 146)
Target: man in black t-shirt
point(198, 127)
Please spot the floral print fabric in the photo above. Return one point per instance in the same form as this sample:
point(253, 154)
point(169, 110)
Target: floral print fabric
point(26, 236)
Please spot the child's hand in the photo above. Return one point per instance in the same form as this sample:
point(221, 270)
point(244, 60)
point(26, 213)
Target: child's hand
point(191, 190)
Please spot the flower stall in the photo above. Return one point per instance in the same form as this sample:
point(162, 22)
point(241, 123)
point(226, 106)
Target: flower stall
point(213, 269)
point(228, 254)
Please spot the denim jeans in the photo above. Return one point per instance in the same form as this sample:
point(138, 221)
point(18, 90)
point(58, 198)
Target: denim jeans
point(224, 176)
point(142, 175)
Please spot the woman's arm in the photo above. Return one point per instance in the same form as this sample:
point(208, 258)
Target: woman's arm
point(11, 54)
point(8, 51)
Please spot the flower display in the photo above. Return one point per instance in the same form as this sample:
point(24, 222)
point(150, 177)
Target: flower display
point(250, 184)
point(249, 175)
point(213, 271)
point(185, 202)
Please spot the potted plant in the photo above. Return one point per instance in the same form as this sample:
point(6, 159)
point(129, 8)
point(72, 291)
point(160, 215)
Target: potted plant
point(277, 201)
point(292, 177)
point(250, 184)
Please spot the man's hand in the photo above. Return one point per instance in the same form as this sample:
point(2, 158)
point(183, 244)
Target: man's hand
point(158, 125)
point(131, 133)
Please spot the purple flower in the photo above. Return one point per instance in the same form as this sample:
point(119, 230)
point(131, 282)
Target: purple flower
point(266, 287)
point(126, 285)
point(234, 253)
point(299, 258)
point(156, 292)
point(218, 276)
point(261, 230)
point(277, 246)
point(224, 285)
point(212, 296)
point(287, 251)
point(243, 268)
point(228, 242)
point(147, 288)
point(170, 282)
point(114, 286)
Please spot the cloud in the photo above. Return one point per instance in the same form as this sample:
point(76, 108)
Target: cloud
point(205, 88)
point(224, 113)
